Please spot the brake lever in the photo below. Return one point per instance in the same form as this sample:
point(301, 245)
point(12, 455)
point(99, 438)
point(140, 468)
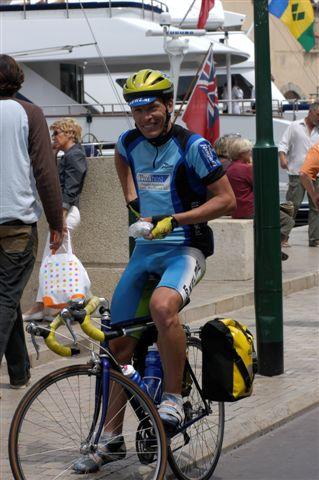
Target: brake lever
point(68, 325)
point(33, 330)
point(67, 317)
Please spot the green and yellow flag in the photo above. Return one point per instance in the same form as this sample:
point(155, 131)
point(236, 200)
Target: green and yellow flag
point(299, 17)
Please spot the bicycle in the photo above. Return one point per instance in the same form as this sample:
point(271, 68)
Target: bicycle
point(69, 408)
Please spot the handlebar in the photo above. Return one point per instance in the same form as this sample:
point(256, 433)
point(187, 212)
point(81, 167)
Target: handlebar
point(78, 311)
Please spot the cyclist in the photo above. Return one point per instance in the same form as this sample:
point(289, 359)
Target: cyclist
point(172, 178)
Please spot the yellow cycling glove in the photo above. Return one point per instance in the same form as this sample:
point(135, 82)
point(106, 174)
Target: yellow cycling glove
point(163, 225)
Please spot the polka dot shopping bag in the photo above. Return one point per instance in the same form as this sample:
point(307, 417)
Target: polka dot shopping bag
point(62, 277)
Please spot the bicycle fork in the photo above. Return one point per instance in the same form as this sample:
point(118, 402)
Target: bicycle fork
point(102, 371)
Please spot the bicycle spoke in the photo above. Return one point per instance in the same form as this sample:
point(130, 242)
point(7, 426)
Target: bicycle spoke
point(196, 458)
point(56, 415)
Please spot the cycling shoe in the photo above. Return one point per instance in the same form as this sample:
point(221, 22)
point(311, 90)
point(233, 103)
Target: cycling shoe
point(108, 451)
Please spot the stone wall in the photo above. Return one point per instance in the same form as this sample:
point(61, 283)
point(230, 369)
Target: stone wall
point(101, 242)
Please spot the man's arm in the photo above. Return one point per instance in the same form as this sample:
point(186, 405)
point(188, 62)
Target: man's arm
point(45, 173)
point(310, 186)
point(283, 160)
point(283, 149)
point(222, 202)
point(308, 174)
point(126, 179)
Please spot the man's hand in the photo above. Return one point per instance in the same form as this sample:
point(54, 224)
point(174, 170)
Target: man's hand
point(56, 239)
point(283, 160)
point(162, 226)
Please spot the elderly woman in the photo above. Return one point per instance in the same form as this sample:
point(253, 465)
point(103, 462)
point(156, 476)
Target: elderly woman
point(221, 146)
point(240, 175)
point(72, 166)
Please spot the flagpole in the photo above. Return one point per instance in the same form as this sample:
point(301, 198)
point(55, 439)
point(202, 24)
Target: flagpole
point(191, 86)
point(185, 16)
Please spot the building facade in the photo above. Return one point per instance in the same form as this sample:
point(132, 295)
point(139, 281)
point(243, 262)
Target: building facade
point(295, 72)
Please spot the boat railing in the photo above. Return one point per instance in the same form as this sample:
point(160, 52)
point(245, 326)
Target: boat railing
point(95, 108)
point(246, 106)
point(146, 6)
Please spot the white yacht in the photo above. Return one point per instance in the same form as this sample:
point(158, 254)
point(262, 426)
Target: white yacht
point(77, 55)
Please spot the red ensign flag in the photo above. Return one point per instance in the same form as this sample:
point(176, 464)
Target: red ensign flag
point(201, 115)
point(207, 5)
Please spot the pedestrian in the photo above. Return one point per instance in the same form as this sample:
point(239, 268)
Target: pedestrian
point(173, 179)
point(221, 148)
point(240, 175)
point(309, 172)
point(236, 94)
point(72, 167)
point(27, 168)
point(299, 137)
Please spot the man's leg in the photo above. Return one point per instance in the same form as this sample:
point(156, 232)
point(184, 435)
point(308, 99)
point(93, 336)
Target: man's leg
point(286, 225)
point(17, 353)
point(313, 221)
point(164, 307)
point(295, 192)
point(17, 257)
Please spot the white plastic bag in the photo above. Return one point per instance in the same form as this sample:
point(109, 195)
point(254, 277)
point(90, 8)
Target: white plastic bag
point(140, 229)
point(62, 277)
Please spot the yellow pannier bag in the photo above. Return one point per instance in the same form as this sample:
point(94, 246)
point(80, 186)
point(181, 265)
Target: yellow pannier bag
point(229, 360)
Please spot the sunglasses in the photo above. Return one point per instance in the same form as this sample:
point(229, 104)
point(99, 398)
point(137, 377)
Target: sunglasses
point(55, 133)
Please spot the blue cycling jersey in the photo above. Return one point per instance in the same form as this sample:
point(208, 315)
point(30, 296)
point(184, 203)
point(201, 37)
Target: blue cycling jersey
point(172, 178)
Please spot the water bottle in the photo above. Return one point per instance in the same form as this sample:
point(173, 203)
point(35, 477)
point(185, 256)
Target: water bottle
point(130, 372)
point(153, 373)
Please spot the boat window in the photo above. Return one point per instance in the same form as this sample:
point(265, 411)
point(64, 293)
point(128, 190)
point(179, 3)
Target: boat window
point(72, 81)
point(241, 82)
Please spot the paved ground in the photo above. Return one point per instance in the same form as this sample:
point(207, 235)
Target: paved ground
point(275, 399)
point(296, 442)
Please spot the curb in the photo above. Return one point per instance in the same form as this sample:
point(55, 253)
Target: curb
point(245, 299)
point(198, 312)
point(244, 430)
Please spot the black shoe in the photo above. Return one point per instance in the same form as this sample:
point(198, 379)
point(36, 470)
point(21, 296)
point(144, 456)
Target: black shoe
point(108, 451)
point(314, 243)
point(21, 384)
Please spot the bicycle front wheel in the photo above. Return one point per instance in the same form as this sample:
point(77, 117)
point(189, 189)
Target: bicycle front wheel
point(53, 420)
point(194, 453)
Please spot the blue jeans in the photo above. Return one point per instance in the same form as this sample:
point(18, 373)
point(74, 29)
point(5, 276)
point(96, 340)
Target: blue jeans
point(18, 245)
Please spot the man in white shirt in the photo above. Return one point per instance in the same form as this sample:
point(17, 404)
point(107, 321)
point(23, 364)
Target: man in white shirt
point(295, 143)
point(237, 94)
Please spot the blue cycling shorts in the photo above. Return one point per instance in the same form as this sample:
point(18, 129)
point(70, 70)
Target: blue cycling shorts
point(150, 267)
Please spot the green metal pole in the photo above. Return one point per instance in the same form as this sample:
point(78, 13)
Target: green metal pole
point(268, 278)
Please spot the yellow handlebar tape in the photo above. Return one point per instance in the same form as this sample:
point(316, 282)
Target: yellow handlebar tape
point(86, 325)
point(54, 345)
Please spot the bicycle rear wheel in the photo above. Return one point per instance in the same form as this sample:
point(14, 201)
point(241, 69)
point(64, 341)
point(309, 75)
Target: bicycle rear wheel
point(53, 420)
point(193, 454)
